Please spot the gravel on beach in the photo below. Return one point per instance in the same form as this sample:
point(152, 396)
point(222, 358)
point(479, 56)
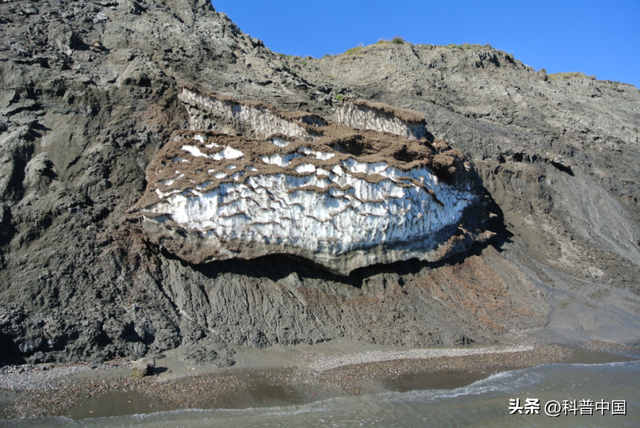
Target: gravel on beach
point(57, 391)
point(323, 363)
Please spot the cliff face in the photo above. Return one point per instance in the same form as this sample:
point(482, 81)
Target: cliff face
point(89, 96)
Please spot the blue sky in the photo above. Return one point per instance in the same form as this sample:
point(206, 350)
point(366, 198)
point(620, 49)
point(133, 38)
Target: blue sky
point(600, 38)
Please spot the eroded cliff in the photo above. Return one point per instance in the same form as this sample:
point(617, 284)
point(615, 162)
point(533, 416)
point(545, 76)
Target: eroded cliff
point(89, 97)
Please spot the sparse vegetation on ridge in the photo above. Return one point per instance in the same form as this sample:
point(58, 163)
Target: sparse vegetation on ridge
point(397, 40)
point(570, 75)
point(353, 50)
point(468, 46)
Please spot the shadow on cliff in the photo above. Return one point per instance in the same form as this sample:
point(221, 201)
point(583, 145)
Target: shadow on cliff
point(279, 266)
point(11, 353)
point(496, 224)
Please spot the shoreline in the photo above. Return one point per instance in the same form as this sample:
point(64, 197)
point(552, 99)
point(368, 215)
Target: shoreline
point(272, 377)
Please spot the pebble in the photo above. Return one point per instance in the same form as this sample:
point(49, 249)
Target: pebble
point(323, 363)
point(55, 390)
point(29, 378)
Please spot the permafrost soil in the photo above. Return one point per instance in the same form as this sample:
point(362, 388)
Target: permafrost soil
point(380, 117)
point(343, 199)
point(89, 98)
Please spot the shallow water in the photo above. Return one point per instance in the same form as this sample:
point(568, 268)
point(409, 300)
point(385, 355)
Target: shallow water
point(484, 403)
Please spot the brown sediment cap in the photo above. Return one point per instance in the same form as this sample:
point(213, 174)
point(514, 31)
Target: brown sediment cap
point(403, 114)
point(340, 142)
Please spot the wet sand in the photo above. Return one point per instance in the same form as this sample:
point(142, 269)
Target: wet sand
point(273, 377)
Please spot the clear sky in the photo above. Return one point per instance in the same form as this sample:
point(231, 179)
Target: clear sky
point(600, 38)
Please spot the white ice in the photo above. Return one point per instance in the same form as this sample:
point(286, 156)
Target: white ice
point(363, 117)
point(352, 214)
point(278, 159)
point(227, 153)
point(305, 167)
point(315, 154)
point(195, 151)
point(280, 142)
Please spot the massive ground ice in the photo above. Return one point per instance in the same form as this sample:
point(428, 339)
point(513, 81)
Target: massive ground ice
point(343, 197)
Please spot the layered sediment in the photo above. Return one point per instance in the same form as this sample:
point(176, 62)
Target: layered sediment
point(381, 117)
point(340, 197)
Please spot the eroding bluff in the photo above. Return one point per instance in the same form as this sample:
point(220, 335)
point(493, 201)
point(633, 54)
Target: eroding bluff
point(251, 180)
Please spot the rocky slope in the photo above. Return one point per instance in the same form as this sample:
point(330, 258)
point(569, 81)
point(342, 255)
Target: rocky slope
point(89, 96)
point(558, 153)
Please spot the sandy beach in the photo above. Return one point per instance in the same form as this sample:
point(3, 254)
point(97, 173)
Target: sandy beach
point(272, 377)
